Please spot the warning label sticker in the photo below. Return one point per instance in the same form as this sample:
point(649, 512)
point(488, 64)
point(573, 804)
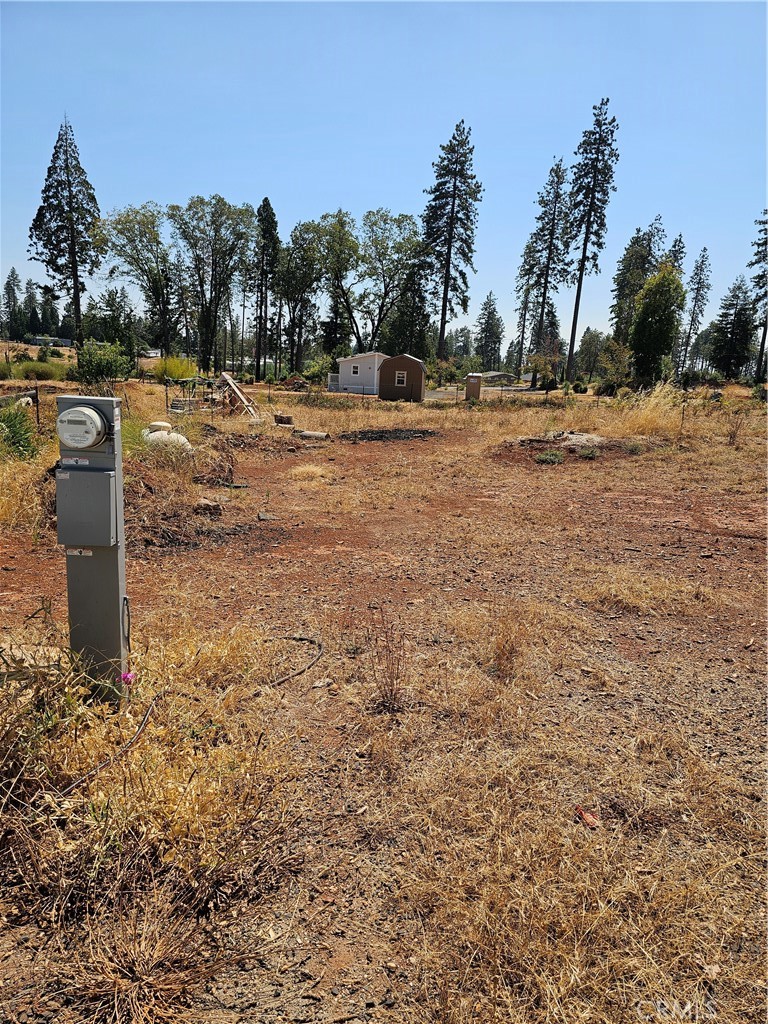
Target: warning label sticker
point(80, 551)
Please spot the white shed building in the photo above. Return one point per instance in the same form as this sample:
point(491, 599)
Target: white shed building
point(357, 374)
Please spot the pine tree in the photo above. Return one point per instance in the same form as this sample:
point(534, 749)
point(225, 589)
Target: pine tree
point(657, 322)
point(734, 331)
point(489, 334)
point(641, 258)
point(675, 254)
point(698, 293)
point(63, 234)
point(591, 187)
point(12, 320)
point(31, 307)
point(524, 292)
point(49, 314)
point(550, 246)
point(760, 287)
point(267, 253)
point(449, 221)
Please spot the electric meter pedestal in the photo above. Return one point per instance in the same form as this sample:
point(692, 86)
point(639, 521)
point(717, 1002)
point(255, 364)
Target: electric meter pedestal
point(90, 525)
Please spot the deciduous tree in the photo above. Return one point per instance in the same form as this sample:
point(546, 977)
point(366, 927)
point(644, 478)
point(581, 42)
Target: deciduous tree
point(591, 187)
point(657, 321)
point(214, 235)
point(134, 238)
point(450, 219)
point(63, 235)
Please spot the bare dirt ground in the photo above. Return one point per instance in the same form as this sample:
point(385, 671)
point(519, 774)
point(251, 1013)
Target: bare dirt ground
point(647, 569)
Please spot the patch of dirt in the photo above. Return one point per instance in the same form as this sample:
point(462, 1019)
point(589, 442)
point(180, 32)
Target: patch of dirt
point(395, 434)
point(429, 549)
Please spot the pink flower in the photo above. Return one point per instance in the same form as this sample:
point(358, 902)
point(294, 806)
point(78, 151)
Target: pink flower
point(127, 678)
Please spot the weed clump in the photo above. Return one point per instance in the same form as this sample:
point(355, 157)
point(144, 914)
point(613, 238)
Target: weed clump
point(549, 457)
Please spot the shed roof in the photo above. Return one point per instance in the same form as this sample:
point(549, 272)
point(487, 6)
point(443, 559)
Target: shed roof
point(362, 355)
point(413, 359)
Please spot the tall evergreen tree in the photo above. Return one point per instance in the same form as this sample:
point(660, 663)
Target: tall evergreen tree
point(12, 319)
point(735, 328)
point(657, 321)
point(267, 254)
point(31, 307)
point(489, 334)
point(63, 235)
point(450, 219)
point(550, 247)
point(49, 314)
point(591, 187)
point(760, 287)
point(590, 349)
point(641, 258)
point(698, 293)
point(524, 293)
point(675, 254)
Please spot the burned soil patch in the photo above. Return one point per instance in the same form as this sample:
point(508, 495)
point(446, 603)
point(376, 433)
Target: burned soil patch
point(560, 446)
point(396, 434)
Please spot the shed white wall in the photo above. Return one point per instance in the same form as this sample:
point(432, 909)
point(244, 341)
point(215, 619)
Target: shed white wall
point(367, 380)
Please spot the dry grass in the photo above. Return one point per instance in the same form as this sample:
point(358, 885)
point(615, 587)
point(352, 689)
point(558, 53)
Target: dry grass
point(190, 819)
point(623, 589)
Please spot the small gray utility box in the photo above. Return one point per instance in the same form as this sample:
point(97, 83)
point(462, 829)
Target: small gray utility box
point(90, 526)
point(86, 508)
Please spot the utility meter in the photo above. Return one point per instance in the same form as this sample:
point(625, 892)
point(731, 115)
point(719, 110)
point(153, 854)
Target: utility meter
point(81, 427)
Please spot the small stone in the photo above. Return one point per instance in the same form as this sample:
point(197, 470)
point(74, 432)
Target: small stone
point(266, 517)
point(204, 506)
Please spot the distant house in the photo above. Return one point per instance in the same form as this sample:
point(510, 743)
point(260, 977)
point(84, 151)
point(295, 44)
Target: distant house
point(402, 379)
point(358, 375)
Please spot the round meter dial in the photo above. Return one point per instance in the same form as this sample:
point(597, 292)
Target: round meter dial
point(81, 427)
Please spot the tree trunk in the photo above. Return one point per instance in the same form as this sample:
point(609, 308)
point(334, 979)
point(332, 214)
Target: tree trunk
point(760, 372)
point(447, 275)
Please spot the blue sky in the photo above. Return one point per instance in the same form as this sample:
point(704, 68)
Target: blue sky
point(328, 105)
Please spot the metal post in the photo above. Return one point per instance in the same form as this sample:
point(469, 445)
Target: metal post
point(90, 525)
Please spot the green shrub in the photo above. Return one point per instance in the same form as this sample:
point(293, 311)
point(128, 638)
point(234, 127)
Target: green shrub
point(590, 454)
point(550, 457)
point(174, 368)
point(43, 354)
point(56, 353)
point(634, 447)
point(6, 371)
point(97, 364)
point(21, 355)
point(579, 388)
point(17, 433)
point(33, 370)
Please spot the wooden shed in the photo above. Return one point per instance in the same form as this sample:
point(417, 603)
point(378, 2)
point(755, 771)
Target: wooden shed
point(402, 379)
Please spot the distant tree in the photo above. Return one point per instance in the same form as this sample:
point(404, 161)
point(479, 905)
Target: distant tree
point(266, 260)
point(336, 330)
point(407, 330)
point(700, 354)
point(760, 288)
point(591, 187)
point(31, 306)
point(524, 293)
point(450, 219)
point(550, 245)
point(368, 269)
point(134, 239)
point(675, 254)
point(12, 313)
point(640, 259)
point(735, 328)
point(299, 275)
point(657, 322)
point(590, 349)
point(489, 334)
point(614, 363)
point(49, 314)
point(214, 235)
point(698, 293)
point(63, 235)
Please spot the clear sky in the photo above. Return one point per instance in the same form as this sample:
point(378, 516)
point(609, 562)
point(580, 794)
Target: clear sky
point(327, 105)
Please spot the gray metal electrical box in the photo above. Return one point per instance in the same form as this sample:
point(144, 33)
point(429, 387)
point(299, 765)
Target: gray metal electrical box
point(86, 508)
point(90, 525)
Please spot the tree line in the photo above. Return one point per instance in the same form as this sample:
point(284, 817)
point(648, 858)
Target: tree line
point(218, 282)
